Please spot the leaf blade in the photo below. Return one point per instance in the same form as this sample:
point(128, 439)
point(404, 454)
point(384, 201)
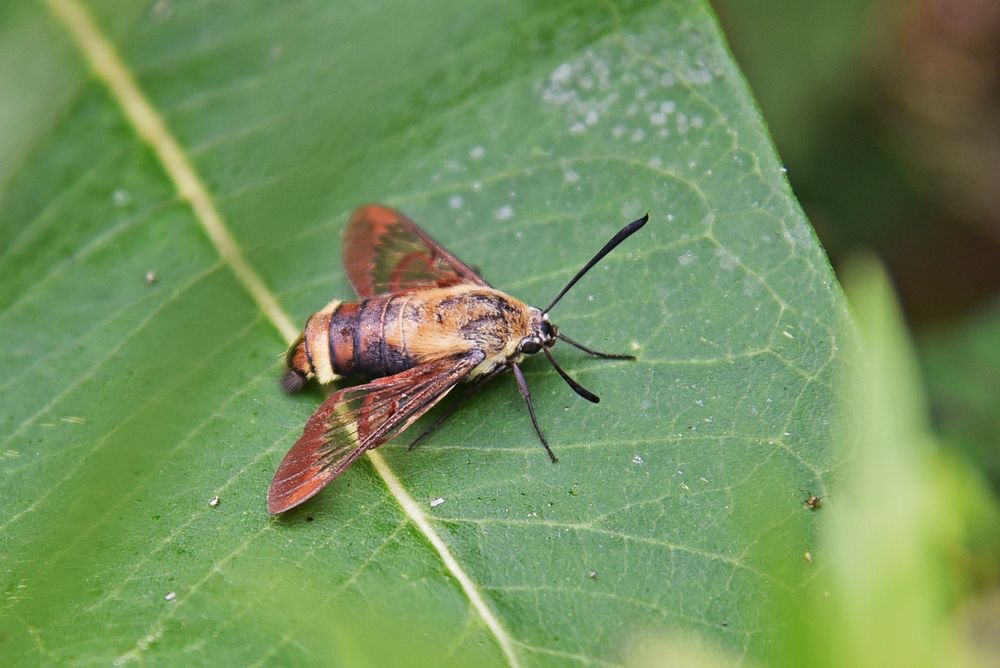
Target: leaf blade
point(738, 257)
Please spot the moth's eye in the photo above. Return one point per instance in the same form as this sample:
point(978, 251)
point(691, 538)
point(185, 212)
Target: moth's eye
point(547, 329)
point(531, 346)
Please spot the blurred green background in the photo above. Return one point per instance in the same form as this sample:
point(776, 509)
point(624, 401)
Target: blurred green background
point(886, 114)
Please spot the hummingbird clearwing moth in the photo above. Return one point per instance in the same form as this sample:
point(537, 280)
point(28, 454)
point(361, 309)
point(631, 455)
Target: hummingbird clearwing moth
point(425, 322)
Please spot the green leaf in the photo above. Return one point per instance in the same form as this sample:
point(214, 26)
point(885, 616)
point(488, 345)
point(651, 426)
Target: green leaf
point(520, 137)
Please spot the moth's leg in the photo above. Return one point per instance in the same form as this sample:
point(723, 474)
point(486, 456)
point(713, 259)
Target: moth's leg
point(591, 351)
point(522, 385)
point(468, 394)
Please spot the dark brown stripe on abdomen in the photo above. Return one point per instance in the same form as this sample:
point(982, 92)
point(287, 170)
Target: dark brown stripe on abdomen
point(395, 356)
point(377, 352)
point(343, 335)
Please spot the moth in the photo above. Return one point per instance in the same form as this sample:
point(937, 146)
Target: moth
point(425, 322)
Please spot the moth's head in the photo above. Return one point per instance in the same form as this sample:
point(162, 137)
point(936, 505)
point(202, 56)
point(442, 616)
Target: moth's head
point(541, 334)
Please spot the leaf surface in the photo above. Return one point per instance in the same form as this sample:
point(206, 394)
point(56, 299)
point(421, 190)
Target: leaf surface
point(521, 137)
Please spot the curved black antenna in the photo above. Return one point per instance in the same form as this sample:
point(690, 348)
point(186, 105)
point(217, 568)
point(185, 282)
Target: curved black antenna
point(577, 387)
point(591, 351)
point(622, 235)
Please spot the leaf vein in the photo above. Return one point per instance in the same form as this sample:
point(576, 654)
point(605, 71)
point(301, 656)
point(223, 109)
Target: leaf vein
point(116, 75)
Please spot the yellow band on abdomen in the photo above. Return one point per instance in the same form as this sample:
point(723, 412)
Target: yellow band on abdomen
point(317, 336)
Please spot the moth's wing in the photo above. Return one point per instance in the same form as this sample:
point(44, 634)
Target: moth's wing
point(357, 419)
point(384, 251)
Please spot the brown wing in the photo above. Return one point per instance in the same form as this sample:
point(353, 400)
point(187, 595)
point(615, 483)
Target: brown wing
point(384, 251)
point(357, 419)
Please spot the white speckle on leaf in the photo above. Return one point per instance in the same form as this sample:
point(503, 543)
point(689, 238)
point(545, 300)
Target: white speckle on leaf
point(618, 130)
point(697, 122)
point(645, 405)
point(668, 107)
point(655, 162)
point(699, 402)
point(727, 260)
point(638, 135)
point(799, 233)
point(213, 502)
point(562, 74)
point(787, 334)
point(637, 459)
point(686, 258)
point(630, 210)
point(657, 118)
point(455, 201)
point(577, 128)
point(162, 9)
point(570, 176)
point(171, 596)
point(504, 213)
point(582, 88)
point(477, 152)
point(437, 502)
point(477, 186)
point(120, 197)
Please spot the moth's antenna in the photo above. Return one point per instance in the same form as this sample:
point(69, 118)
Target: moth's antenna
point(577, 387)
point(591, 351)
point(622, 235)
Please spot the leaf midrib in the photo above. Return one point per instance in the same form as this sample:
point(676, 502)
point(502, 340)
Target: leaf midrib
point(111, 70)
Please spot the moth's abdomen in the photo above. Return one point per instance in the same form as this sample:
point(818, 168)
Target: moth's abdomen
point(366, 338)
